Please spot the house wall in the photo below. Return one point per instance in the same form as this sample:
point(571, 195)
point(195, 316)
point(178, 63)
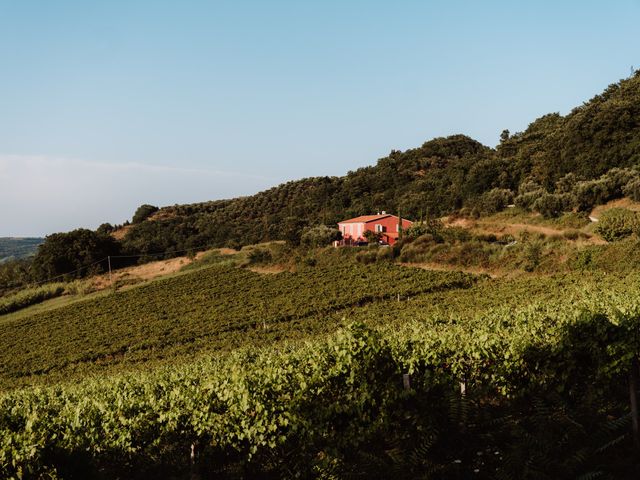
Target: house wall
point(389, 224)
point(355, 231)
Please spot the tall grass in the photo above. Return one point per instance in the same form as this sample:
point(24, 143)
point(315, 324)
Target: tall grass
point(30, 296)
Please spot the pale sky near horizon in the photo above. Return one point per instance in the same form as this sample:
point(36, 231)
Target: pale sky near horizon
point(108, 105)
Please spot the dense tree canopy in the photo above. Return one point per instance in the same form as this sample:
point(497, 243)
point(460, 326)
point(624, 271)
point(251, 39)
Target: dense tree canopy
point(78, 251)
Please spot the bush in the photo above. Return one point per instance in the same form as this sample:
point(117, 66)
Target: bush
point(385, 253)
point(550, 205)
point(319, 236)
point(75, 254)
point(495, 200)
point(259, 255)
point(367, 256)
point(432, 227)
point(533, 255)
point(526, 200)
point(455, 234)
point(617, 223)
point(632, 190)
point(571, 234)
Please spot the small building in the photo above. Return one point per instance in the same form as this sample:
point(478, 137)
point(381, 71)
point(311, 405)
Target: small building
point(384, 224)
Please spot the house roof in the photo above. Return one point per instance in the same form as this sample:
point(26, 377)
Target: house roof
point(366, 218)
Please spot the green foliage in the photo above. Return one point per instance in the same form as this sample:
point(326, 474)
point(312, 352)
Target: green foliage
point(105, 229)
point(632, 189)
point(259, 255)
point(79, 252)
point(319, 236)
point(143, 212)
point(617, 223)
point(74, 254)
point(215, 308)
point(494, 200)
point(14, 274)
point(30, 296)
point(551, 205)
point(544, 388)
point(431, 226)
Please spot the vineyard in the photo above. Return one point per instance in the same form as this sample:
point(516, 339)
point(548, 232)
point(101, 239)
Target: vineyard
point(535, 391)
point(216, 308)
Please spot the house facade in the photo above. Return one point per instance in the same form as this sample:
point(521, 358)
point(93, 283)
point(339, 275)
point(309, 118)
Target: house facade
point(384, 224)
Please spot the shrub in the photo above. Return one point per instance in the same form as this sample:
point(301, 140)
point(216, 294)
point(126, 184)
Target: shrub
point(455, 234)
point(385, 253)
point(533, 255)
point(617, 223)
point(495, 200)
point(550, 205)
point(632, 190)
point(367, 256)
point(319, 236)
point(526, 200)
point(486, 237)
point(259, 255)
point(432, 227)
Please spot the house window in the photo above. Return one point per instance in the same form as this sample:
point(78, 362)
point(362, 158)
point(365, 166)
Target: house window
point(379, 228)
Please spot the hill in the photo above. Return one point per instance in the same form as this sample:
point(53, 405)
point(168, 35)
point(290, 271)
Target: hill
point(439, 177)
point(559, 164)
point(16, 248)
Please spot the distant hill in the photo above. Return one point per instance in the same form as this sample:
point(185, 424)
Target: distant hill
point(14, 248)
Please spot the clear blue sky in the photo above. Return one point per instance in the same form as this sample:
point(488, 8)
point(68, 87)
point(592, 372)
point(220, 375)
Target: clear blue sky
point(107, 105)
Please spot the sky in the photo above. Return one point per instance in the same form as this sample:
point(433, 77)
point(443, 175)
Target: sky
point(108, 105)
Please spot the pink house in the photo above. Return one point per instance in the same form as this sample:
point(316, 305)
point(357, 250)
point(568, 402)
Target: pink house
point(385, 224)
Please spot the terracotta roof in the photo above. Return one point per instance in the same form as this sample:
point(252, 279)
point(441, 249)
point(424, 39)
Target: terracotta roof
point(366, 218)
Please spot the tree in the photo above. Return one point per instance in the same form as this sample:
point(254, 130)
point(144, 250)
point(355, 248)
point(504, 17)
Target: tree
point(504, 136)
point(551, 205)
point(292, 230)
point(77, 253)
point(105, 229)
point(143, 212)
